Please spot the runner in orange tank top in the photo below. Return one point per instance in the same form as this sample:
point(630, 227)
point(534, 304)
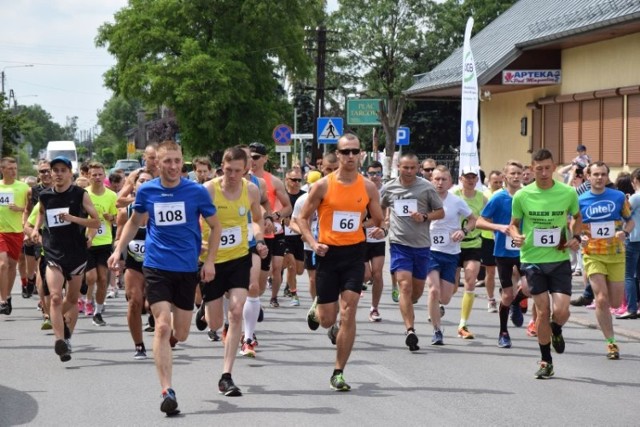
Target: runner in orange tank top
point(341, 199)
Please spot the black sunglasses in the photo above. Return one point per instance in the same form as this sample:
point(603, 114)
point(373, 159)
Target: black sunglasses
point(347, 151)
point(428, 169)
point(295, 179)
point(45, 171)
point(256, 156)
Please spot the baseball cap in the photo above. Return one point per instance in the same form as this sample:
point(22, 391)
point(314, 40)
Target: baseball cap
point(63, 160)
point(313, 176)
point(581, 148)
point(468, 170)
point(257, 147)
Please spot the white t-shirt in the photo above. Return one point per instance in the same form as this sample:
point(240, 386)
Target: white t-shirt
point(297, 208)
point(455, 209)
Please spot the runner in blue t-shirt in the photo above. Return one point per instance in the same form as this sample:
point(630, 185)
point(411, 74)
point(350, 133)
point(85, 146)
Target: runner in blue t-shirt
point(496, 217)
point(171, 207)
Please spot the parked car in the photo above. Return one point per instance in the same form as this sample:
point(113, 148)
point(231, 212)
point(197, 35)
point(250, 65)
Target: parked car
point(128, 165)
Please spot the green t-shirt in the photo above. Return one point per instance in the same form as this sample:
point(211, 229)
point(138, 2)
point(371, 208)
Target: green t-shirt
point(476, 203)
point(104, 204)
point(543, 215)
point(16, 193)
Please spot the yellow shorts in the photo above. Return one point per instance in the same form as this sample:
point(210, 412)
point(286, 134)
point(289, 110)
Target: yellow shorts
point(611, 266)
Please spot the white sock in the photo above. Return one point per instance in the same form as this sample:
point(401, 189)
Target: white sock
point(99, 308)
point(250, 313)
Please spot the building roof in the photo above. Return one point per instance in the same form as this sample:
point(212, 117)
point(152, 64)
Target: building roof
point(528, 24)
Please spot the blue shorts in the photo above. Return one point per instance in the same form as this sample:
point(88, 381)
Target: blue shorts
point(413, 260)
point(445, 264)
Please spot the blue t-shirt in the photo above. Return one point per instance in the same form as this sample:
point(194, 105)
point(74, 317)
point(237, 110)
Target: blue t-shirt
point(173, 239)
point(498, 210)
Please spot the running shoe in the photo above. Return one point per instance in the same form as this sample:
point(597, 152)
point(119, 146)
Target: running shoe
point(111, 294)
point(286, 291)
point(173, 341)
point(228, 388)
point(213, 335)
point(274, 303)
point(25, 293)
point(516, 315)
point(31, 287)
point(295, 301)
point(151, 324)
point(261, 315)
point(374, 315)
point(464, 333)
point(524, 305)
point(492, 306)
point(620, 311)
point(557, 341)
point(395, 294)
point(581, 301)
point(338, 383)
point(62, 350)
point(504, 340)
point(441, 310)
point(5, 308)
point(68, 341)
point(332, 333)
point(613, 352)
point(312, 320)
point(97, 320)
point(411, 340)
point(545, 371)
point(225, 329)
point(248, 349)
point(201, 322)
point(364, 287)
point(46, 325)
point(89, 308)
point(591, 306)
point(269, 282)
point(437, 338)
point(80, 305)
point(627, 315)
point(67, 331)
point(532, 331)
point(141, 353)
point(169, 403)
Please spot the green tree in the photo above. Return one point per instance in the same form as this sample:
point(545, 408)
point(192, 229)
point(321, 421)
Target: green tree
point(39, 128)
point(10, 127)
point(215, 63)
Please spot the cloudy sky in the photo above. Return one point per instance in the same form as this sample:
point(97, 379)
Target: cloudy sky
point(57, 38)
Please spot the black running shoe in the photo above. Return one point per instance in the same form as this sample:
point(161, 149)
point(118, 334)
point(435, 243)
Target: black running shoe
point(412, 341)
point(169, 403)
point(201, 322)
point(332, 333)
point(557, 341)
point(67, 332)
point(5, 308)
point(62, 349)
point(98, 321)
point(261, 315)
point(31, 287)
point(213, 335)
point(25, 294)
point(228, 388)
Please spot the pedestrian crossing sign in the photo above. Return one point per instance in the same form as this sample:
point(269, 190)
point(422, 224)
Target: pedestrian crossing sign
point(330, 129)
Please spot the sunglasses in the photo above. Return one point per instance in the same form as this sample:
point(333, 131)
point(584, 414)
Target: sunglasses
point(374, 173)
point(44, 171)
point(347, 151)
point(295, 179)
point(256, 156)
point(428, 169)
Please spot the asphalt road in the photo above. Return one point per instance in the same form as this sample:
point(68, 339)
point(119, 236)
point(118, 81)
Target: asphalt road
point(462, 383)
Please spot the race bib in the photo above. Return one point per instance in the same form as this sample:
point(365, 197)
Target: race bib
point(603, 230)
point(289, 232)
point(230, 237)
point(170, 213)
point(277, 228)
point(136, 247)
point(440, 239)
point(546, 238)
point(102, 230)
point(345, 222)
point(509, 244)
point(404, 207)
point(6, 199)
point(53, 217)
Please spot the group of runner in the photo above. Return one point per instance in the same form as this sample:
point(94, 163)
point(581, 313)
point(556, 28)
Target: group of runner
point(217, 243)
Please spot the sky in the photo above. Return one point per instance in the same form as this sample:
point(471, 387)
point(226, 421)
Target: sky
point(57, 38)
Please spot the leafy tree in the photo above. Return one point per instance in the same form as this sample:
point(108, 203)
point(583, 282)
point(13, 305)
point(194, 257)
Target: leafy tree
point(39, 128)
point(118, 116)
point(214, 63)
point(10, 127)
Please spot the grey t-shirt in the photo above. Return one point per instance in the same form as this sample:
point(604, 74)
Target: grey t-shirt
point(401, 201)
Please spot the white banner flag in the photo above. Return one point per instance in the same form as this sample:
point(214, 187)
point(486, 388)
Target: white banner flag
point(469, 111)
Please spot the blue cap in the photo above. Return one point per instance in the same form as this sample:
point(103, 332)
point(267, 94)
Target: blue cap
point(61, 159)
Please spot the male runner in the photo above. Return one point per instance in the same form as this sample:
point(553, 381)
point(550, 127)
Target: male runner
point(488, 260)
point(374, 258)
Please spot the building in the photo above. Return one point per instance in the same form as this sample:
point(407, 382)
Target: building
point(553, 74)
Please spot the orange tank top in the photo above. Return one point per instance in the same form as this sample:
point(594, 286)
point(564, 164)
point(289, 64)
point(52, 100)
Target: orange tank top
point(273, 201)
point(341, 212)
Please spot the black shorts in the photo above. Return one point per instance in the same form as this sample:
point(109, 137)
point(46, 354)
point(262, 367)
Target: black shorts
point(505, 270)
point(69, 267)
point(178, 288)
point(43, 275)
point(488, 260)
point(98, 255)
point(295, 247)
point(133, 264)
point(552, 277)
point(341, 269)
point(265, 263)
point(471, 254)
point(310, 260)
point(373, 250)
point(32, 250)
point(231, 274)
point(279, 245)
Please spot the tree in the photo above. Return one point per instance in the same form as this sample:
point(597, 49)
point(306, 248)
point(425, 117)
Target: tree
point(10, 128)
point(213, 63)
point(39, 128)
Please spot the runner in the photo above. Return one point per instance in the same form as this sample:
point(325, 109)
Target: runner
point(428, 165)
point(496, 181)
point(171, 207)
point(341, 199)
point(540, 210)
point(150, 162)
point(63, 211)
point(606, 224)
point(294, 248)
point(413, 203)
point(13, 203)
point(446, 235)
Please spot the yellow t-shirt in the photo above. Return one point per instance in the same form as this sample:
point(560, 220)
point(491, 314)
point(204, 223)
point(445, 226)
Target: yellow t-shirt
point(234, 221)
point(11, 221)
point(104, 204)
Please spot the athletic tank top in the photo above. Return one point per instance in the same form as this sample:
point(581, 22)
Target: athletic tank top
point(233, 216)
point(62, 239)
point(136, 248)
point(341, 212)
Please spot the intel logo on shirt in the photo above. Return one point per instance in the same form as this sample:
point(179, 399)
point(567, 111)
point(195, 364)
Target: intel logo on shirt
point(600, 210)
